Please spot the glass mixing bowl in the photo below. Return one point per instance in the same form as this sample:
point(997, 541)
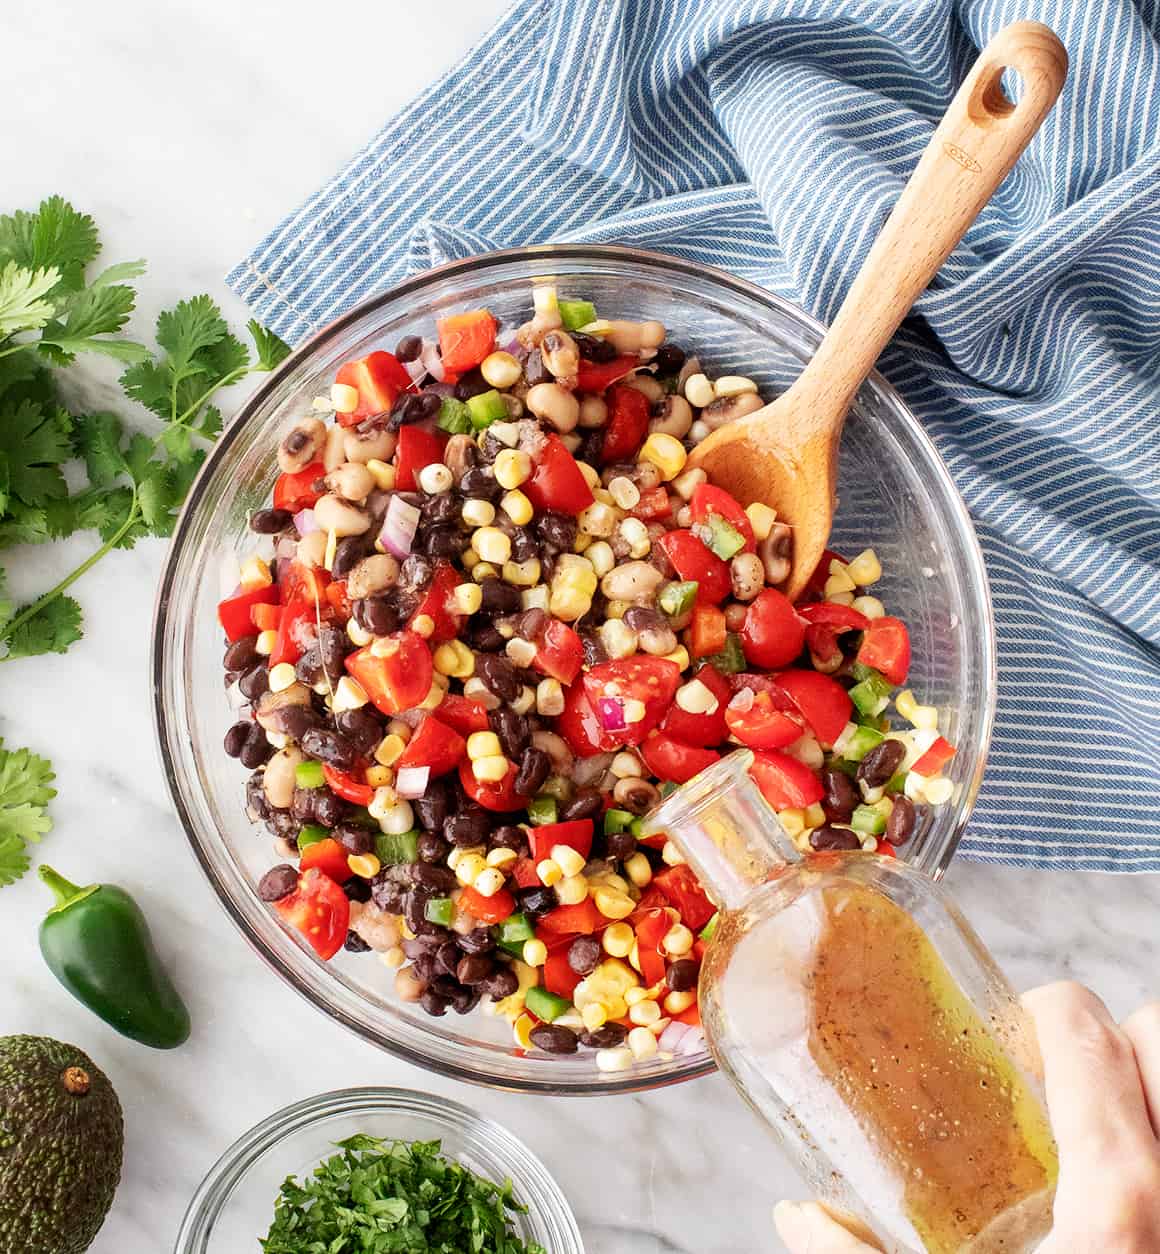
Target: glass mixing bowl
point(895, 495)
point(235, 1203)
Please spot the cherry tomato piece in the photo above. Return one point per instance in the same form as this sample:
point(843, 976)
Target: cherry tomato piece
point(692, 560)
point(612, 686)
point(463, 714)
point(785, 783)
point(710, 499)
point(886, 647)
point(438, 604)
point(772, 635)
point(379, 378)
point(668, 759)
point(294, 492)
point(417, 448)
point(595, 376)
point(493, 909)
point(436, 746)
point(556, 484)
point(559, 652)
point(821, 700)
point(236, 613)
point(320, 910)
point(702, 731)
point(628, 417)
point(498, 795)
point(682, 890)
point(401, 679)
point(839, 617)
point(347, 786)
point(763, 726)
point(329, 857)
point(576, 834)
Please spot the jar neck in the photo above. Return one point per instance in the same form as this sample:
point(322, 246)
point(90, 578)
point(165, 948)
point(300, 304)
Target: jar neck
point(726, 830)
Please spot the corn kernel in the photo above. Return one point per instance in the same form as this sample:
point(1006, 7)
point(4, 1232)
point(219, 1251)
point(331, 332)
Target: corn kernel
point(815, 816)
point(266, 642)
point(680, 655)
point(282, 676)
point(634, 955)
point(634, 710)
point(483, 744)
point(390, 749)
point(870, 607)
point(733, 385)
point(521, 652)
point(594, 1016)
point(356, 634)
point(572, 890)
point(569, 860)
point(364, 864)
point(467, 598)
point(839, 581)
point(696, 697)
point(624, 492)
point(435, 693)
point(489, 881)
point(383, 474)
point(526, 701)
point(618, 940)
point(502, 858)
point(634, 996)
point(688, 481)
point(616, 608)
point(469, 559)
point(761, 519)
point(492, 545)
point(793, 821)
point(841, 598)
point(635, 534)
point(343, 398)
point(394, 957)
point(501, 370)
point(699, 391)
point(642, 1043)
point(474, 689)
point(549, 698)
point(665, 452)
point(380, 776)
point(671, 855)
point(638, 869)
point(865, 569)
point(481, 571)
point(644, 1013)
point(522, 1031)
point(678, 940)
point(627, 765)
point(600, 554)
point(490, 770)
point(939, 791)
point(549, 872)
point(613, 905)
point(617, 638)
point(454, 659)
point(477, 512)
point(678, 1003)
point(469, 867)
point(524, 574)
point(512, 467)
point(598, 519)
point(255, 573)
point(906, 704)
point(349, 694)
point(611, 1060)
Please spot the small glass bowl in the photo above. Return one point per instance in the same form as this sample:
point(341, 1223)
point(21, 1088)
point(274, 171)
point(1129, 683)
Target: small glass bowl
point(234, 1204)
point(895, 495)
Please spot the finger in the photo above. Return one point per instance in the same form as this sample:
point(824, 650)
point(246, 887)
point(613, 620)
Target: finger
point(1094, 1093)
point(1143, 1030)
point(809, 1228)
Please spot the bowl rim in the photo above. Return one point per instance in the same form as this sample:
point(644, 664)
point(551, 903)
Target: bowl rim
point(234, 1163)
point(598, 1085)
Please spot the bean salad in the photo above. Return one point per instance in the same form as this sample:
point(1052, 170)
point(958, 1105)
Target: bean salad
point(489, 620)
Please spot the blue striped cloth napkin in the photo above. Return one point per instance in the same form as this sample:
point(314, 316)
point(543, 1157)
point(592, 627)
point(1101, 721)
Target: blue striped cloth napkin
point(771, 137)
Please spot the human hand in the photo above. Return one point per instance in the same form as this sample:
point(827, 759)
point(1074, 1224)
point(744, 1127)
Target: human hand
point(1103, 1096)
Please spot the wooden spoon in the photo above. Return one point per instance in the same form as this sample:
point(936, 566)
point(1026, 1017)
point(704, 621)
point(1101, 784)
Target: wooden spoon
point(786, 454)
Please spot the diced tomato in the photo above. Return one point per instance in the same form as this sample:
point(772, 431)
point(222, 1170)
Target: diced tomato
point(493, 909)
point(650, 932)
point(580, 727)
point(434, 745)
point(822, 643)
point(702, 731)
point(668, 759)
point(763, 726)
point(294, 492)
point(653, 505)
point(710, 499)
point(692, 560)
point(266, 617)
point(595, 376)
point(320, 910)
point(463, 714)
point(707, 630)
point(329, 857)
point(772, 634)
point(439, 605)
point(820, 699)
point(338, 600)
point(581, 920)
point(499, 795)
point(525, 874)
point(785, 783)
point(302, 583)
point(379, 378)
point(886, 849)
point(682, 890)
point(886, 647)
point(346, 786)
point(236, 613)
point(556, 484)
point(653, 898)
point(935, 758)
point(576, 834)
point(398, 681)
point(417, 448)
point(297, 629)
point(652, 681)
point(466, 339)
point(839, 617)
point(815, 588)
point(559, 978)
point(559, 652)
point(627, 425)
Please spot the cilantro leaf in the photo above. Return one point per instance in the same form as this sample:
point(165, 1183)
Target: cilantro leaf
point(5, 484)
point(25, 790)
point(23, 376)
point(119, 272)
point(53, 627)
point(97, 438)
point(54, 236)
point(6, 605)
point(35, 441)
point(93, 312)
point(272, 350)
point(23, 306)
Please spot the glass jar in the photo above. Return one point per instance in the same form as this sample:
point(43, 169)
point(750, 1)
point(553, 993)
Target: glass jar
point(865, 1022)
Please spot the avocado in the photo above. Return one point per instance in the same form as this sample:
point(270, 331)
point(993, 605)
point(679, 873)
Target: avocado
point(61, 1139)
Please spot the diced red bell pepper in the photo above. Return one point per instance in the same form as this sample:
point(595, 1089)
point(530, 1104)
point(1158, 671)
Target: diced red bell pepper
point(399, 680)
point(650, 932)
point(885, 848)
point(329, 857)
point(556, 484)
point(653, 505)
point(416, 448)
point(347, 786)
point(338, 599)
point(707, 630)
point(886, 647)
point(627, 425)
point(294, 492)
point(493, 909)
point(581, 920)
point(702, 731)
point(466, 339)
point(559, 978)
point(576, 834)
point(524, 873)
point(266, 617)
point(559, 652)
point(320, 910)
point(463, 714)
point(302, 583)
point(668, 759)
point(829, 614)
point(438, 603)
point(682, 891)
point(498, 795)
point(653, 898)
point(786, 783)
point(595, 376)
point(692, 560)
point(820, 699)
point(935, 758)
point(436, 746)
point(379, 378)
point(236, 613)
point(297, 628)
point(709, 499)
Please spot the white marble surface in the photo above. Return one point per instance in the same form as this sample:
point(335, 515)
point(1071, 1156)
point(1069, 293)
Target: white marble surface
point(186, 129)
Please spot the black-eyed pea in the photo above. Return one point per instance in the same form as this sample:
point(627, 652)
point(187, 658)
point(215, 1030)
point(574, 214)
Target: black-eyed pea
point(672, 415)
point(593, 412)
point(730, 408)
point(460, 455)
point(333, 451)
point(633, 337)
point(775, 551)
point(560, 354)
point(378, 446)
point(408, 986)
point(373, 574)
point(555, 405)
point(278, 780)
point(631, 581)
point(648, 385)
point(301, 445)
point(333, 514)
point(352, 481)
point(312, 548)
point(747, 575)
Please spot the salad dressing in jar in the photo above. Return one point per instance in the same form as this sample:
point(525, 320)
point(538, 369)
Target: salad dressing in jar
point(865, 1022)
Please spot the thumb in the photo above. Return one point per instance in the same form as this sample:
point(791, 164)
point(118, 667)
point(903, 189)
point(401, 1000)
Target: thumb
point(809, 1228)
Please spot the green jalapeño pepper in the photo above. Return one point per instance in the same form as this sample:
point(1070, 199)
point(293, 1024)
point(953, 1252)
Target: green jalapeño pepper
point(97, 944)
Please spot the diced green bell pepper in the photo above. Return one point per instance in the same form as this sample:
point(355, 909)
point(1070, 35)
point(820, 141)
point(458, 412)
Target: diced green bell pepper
point(556, 786)
point(309, 775)
point(636, 827)
point(545, 1005)
point(310, 834)
point(668, 788)
point(515, 929)
point(393, 850)
point(897, 783)
point(440, 911)
point(576, 314)
point(676, 599)
point(542, 809)
point(861, 671)
point(486, 408)
point(454, 417)
point(872, 695)
point(731, 659)
point(860, 743)
point(723, 538)
point(616, 821)
point(867, 819)
point(710, 929)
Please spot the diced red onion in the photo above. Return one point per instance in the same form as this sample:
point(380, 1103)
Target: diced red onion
point(411, 781)
point(399, 526)
point(693, 1042)
point(611, 711)
point(305, 522)
point(412, 717)
point(588, 770)
point(672, 1036)
point(743, 700)
point(431, 361)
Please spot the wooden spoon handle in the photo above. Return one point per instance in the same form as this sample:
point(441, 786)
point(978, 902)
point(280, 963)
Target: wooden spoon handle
point(970, 153)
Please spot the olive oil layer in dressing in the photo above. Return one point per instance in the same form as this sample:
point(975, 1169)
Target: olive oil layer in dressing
point(924, 1077)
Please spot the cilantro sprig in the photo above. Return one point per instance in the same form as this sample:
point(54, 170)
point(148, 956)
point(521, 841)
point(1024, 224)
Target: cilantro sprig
point(394, 1197)
point(25, 790)
point(51, 311)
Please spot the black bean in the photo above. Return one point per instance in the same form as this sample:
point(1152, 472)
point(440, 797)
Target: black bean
point(832, 838)
point(498, 597)
point(254, 682)
point(485, 638)
point(428, 875)
point(447, 958)
point(378, 614)
point(268, 522)
point(256, 750)
point(524, 545)
point(256, 797)
point(353, 839)
point(621, 845)
point(389, 888)
point(535, 767)
point(362, 727)
point(553, 1040)
point(445, 985)
point(357, 889)
point(432, 848)
point(329, 809)
point(594, 650)
point(348, 553)
point(443, 542)
point(531, 623)
point(433, 807)
point(302, 805)
point(477, 941)
point(880, 763)
point(593, 347)
point(508, 836)
point(641, 618)
point(330, 747)
point(415, 912)
point(900, 824)
point(282, 823)
point(682, 975)
point(424, 966)
point(471, 384)
point(607, 1037)
point(535, 902)
point(236, 737)
point(584, 804)
point(466, 1000)
point(584, 954)
point(501, 983)
point(408, 348)
point(355, 944)
point(469, 827)
point(409, 408)
point(512, 729)
point(497, 673)
point(841, 797)
point(278, 882)
point(670, 358)
point(292, 720)
point(474, 969)
point(433, 1004)
point(480, 484)
point(558, 531)
point(242, 654)
point(534, 369)
point(308, 668)
point(416, 572)
point(416, 946)
point(442, 508)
